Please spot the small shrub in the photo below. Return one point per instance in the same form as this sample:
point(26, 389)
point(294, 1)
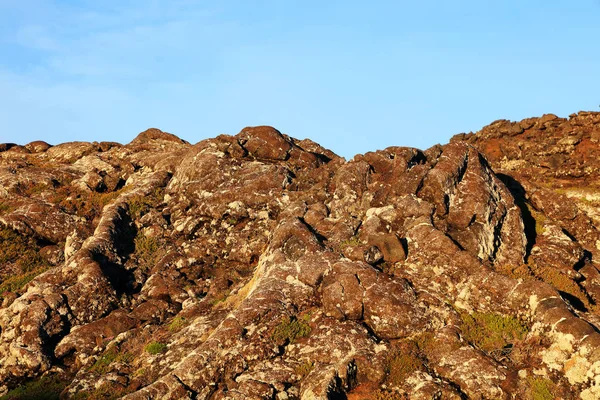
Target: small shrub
point(44, 388)
point(231, 221)
point(177, 324)
point(541, 388)
point(156, 348)
point(140, 205)
point(290, 329)
point(304, 368)
point(146, 251)
point(491, 332)
point(400, 363)
point(353, 241)
point(424, 341)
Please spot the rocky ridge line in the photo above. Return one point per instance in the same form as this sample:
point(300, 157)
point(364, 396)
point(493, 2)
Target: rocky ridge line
point(261, 266)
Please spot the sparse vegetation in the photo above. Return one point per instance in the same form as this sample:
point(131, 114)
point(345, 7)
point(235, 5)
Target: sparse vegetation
point(155, 348)
point(17, 249)
point(561, 282)
point(84, 204)
point(492, 332)
point(231, 221)
point(522, 271)
point(44, 388)
point(18, 282)
point(290, 329)
point(23, 252)
point(108, 391)
point(219, 299)
point(112, 355)
point(140, 205)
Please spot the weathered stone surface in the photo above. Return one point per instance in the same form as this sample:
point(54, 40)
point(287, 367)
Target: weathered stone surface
point(261, 266)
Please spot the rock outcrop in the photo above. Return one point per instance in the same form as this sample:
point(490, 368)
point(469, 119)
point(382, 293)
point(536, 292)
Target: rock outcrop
point(260, 266)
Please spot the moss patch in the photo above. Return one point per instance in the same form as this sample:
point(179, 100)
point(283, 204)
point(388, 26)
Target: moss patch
point(290, 329)
point(541, 388)
point(402, 360)
point(353, 241)
point(177, 324)
point(155, 348)
point(492, 332)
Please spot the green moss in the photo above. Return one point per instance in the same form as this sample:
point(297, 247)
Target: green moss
point(541, 388)
point(290, 329)
point(353, 241)
point(424, 341)
point(155, 348)
point(177, 324)
point(45, 388)
point(492, 332)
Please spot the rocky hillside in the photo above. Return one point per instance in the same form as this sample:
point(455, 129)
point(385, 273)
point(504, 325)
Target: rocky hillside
point(258, 266)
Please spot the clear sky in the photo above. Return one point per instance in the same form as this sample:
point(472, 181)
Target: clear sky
point(352, 75)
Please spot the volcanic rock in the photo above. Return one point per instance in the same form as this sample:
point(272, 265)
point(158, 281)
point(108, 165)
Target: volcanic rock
point(261, 266)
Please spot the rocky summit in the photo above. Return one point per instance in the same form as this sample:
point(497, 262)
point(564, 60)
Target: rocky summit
point(259, 266)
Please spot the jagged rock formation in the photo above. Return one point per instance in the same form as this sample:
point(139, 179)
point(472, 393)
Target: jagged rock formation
point(260, 266)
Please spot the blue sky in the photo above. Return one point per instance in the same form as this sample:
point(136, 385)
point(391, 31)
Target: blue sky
point(354, 76)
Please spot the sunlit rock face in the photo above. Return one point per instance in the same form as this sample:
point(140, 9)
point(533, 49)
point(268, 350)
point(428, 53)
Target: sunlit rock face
point(261, 266)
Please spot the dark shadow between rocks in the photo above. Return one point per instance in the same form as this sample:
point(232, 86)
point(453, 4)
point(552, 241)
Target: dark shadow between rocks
point(573, 301)
point(518, 193)
point(121, 279)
